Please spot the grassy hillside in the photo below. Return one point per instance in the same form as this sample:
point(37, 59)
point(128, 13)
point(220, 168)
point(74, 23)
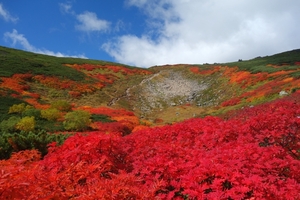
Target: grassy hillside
point(283, 61)
point(15, 61)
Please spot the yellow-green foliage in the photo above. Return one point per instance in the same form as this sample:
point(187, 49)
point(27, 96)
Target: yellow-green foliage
point(26, 124)
point(51, 114)
point(77, 120)
point(61, 105)
point(19, 108)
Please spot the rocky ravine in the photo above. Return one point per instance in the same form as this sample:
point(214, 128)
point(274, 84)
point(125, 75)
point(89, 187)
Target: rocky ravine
point(164, 89)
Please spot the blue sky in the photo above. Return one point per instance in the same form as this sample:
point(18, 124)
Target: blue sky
point(145, 33)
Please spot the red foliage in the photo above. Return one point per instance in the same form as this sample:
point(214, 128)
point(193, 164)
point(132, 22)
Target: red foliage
point(254, 154)
point(112, 127)
point(231, 102)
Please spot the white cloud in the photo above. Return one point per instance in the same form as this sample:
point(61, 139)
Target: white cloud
point(87, 21)
point(90, 22)
point(17, 38)
point(6, 15)
point(66, 8)
point(200, 31)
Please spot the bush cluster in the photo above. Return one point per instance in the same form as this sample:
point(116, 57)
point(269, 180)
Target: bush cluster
point(28, 128)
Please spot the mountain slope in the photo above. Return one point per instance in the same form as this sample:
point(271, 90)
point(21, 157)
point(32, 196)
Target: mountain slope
point(162, 93)
point(80, 129)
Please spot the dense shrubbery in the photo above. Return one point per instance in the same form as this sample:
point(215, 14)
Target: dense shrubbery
point(18, 141)
point(255, 154)
point(26, 128)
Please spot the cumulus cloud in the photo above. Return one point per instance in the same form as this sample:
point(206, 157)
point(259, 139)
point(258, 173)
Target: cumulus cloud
point(199, 31)
point(18, 38)
point(6, 15)
point(87, 21)
point(90, 22)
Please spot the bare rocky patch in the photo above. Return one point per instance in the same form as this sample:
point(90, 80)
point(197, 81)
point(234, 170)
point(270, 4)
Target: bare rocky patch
point(164, 89)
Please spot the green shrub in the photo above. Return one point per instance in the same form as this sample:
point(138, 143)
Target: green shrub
point(51, 114)
point(26, 124)
point(17, 108)
point(14, 142)
point(36, 113)
point(101, 118)
point(77, 120)
point(49, 126)
point(62, 105)
point(6, 102)
point(9, 124)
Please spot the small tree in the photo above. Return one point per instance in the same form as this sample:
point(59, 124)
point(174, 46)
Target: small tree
point(77, 120)
point(51, 114)
point(26, 124)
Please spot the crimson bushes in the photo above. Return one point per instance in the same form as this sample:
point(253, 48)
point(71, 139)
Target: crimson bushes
point(252, 155)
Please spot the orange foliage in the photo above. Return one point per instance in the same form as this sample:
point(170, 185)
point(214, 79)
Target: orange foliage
point(14, 83)
point(108, 111)
point(140, 127)
point(112, 68)
point(194, 70)
point(128, 121)
point(36, 104)
point(75, 88)
point(18, 84)
point(278, 73)
point(198, 70)
point(106, 74)
point(231, 102)
point(271, 88)
point(286, 80)
point(244, 78)
point(240, 76)
point(158, 121)
point(123, 117)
